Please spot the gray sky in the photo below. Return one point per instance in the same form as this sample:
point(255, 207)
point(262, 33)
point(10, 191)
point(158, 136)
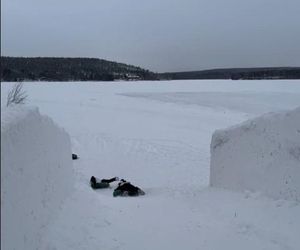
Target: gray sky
point(161, 35)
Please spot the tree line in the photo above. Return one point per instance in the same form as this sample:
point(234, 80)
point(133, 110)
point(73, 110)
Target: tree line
point(69, 69)
point(236, 74)
point(93, 69)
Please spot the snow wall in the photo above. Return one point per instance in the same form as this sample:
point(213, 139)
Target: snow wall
point(260, 155)
point(36, 175)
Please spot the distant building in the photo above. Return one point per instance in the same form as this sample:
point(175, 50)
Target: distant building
point(132, 77)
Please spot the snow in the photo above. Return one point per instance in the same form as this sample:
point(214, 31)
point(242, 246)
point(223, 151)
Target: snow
point(36, 168)
point(260, 155)
point(157, 135)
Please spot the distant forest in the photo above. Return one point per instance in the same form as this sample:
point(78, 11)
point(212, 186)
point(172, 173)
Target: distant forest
point(69, 69)
point(236, 74)
point(92, 69)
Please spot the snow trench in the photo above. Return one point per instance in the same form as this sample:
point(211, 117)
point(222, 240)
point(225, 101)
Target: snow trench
point(36, 175)
point(260, 155)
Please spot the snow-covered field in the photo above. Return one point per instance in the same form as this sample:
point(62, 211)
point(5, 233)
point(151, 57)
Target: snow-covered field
point(157, 135)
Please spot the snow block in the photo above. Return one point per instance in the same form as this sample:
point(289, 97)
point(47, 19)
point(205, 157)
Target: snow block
point(260, 155)
point(36, 175)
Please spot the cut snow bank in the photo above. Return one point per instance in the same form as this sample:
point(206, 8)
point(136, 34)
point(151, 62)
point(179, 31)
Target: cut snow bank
point(260, 155)
point(36, 175)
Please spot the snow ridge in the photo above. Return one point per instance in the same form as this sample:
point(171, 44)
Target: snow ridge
point(261, 155)
point(36, 175)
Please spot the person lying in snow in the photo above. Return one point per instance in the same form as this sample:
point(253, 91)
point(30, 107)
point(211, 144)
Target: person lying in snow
point(125, 188)
point(104, 183)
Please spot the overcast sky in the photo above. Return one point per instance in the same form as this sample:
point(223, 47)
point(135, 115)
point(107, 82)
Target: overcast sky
point(160, 35)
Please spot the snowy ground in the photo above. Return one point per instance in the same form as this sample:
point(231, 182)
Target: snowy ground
point(157, 135)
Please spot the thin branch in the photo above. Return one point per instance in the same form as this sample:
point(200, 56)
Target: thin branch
point(16, 95)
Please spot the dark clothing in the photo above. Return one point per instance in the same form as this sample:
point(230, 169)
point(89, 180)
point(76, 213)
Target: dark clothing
point(104, 183)
point(74, 157)
point(109, 180)
point(124, 188)
point(127, 189)
point(98, 185)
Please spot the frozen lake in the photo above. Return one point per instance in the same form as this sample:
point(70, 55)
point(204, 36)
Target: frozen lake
point(157, 135)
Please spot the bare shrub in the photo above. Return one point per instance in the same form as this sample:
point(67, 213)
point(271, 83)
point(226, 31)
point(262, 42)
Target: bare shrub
point(16, 95)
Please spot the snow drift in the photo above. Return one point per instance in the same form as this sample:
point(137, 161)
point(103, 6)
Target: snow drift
point(260, 155)
point(36, 175)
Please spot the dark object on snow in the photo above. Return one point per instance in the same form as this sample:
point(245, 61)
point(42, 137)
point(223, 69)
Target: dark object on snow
point(104, 183)
point(74, 157)
point(125, 188)
point(110, 180)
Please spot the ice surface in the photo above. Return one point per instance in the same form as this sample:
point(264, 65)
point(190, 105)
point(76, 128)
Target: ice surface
point(122, 129)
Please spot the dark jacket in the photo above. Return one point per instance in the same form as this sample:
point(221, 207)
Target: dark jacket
point(127, 189)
